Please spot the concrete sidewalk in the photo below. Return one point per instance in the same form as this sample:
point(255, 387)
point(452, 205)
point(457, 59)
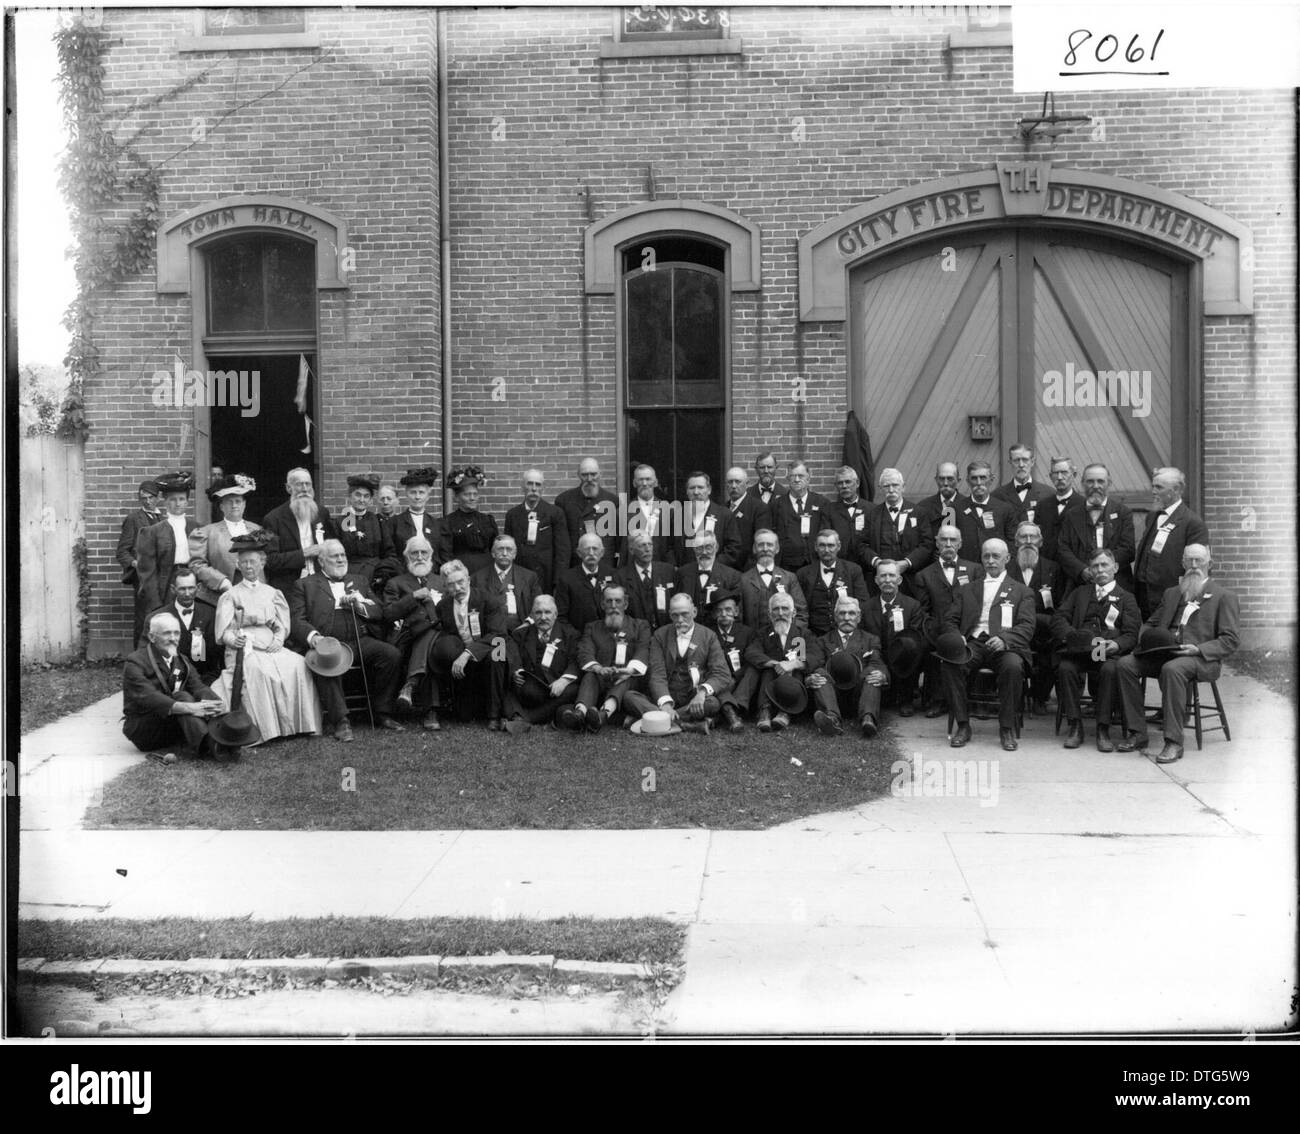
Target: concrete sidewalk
point(1082, 892)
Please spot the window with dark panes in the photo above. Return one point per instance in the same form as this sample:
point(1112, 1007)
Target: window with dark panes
point(649, 22)
point(261, 284)
point(674, 363)
point(253, 21)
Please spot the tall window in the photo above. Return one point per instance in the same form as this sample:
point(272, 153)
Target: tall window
point(675, 318)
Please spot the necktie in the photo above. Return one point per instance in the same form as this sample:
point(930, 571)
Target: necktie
point(766, 576)
point(645, 578)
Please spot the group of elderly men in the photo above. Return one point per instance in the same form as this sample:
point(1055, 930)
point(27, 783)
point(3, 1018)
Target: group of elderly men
point(683, 615)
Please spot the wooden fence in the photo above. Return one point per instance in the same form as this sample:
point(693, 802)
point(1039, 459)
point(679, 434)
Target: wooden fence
point(51, 519)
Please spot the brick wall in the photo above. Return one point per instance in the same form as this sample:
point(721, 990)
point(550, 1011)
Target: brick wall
point(536, 117)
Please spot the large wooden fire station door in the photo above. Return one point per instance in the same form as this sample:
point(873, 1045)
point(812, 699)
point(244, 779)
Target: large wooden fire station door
point(1075, 344)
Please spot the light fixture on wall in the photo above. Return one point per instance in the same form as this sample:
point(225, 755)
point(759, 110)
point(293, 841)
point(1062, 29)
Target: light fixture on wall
point(1049, 124)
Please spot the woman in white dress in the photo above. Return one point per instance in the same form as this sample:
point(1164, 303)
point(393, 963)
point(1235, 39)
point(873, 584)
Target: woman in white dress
point(211, 559)
point(279, 693)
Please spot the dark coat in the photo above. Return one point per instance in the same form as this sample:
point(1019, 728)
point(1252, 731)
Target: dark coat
point(202, 623)
point(936, 595)
point(1077, 540)
point(821, 602)
point(370, 548)
point(599, 644)
point(670, 673)
point(754, 596)
point(1050, 515)
point(1018, 633)
point(147, 694)
point(642, 599)
point(1082, 611)
point(403, 527)
point(720, 582)
point(994, 519)
point(797, 547)
point(156, 555)
point(401, 605)
point(312, 607)
point(1047, 574)
point(1155, 571)
point(526, 589)
point(1212, 628)
point(131, 527)
point(576, 600)
point(491, 619)
point(749, 516)
point(525, 650)
point(723, 527)
point(880, 538)
point(548, 554)
point(285, 560)
point(862, 644)
point(594, 515)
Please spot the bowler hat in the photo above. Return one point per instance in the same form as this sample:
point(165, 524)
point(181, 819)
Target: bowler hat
point(845, 669)
point(329, 657)
point(175, 482)
point(533, 692)
point(446, 649)
point(905, 653)
point(950, 646)
point(427, 475)
point(149, 486)
point(788, 694)
point(1078, 642)
point(1157, 640)
point(235, 729)
point(655, 723)
point(364, 480)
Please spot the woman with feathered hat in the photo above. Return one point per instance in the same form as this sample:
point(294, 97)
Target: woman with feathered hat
point(211, 558)
point(467, 533)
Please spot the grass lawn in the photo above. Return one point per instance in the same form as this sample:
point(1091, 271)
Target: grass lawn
point(468, 778)
point(1274, 668)
point(647, 940)
point(47, 693)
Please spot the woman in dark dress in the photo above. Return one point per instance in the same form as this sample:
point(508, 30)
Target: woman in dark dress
point(467, 533)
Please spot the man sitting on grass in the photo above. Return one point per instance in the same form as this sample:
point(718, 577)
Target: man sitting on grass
point(164, 699)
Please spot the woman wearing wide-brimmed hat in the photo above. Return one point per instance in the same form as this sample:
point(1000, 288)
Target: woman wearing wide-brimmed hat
point(211, 559)
point(467, 533)
point(279, 694)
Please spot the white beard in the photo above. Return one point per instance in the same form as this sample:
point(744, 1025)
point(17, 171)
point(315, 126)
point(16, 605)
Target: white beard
point(421, 570)
point(1192, 586)
point(1027, 557)
point(303, 508)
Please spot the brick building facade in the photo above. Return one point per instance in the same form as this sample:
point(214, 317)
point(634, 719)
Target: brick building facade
point(761, 164)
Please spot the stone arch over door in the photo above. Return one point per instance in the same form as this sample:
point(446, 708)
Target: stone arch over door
point(968, 297)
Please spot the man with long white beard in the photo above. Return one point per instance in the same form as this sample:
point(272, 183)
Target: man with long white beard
point(300, 529)
point(411, 599)
point(1191, 632)
point(1045, 579)
point(614, 655)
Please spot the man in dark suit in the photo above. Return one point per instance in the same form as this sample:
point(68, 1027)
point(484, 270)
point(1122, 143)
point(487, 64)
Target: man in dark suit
point(143, 517)
point(779, 648)
point(590, 509)
point(1107, 617)
point(893, 530)
point(410, 603)
point(699, 517)
point(747, 514)
point(198, 643)
point(366, 540)
point(648, 582)
point(891, 616)
point(848, 511)
point(797, 516)
point(943, 506)
point(937, 586)
point(300, 529)
point(768, 488)
point(578, 590)
point(1065, 498)
point(982, 518)
point(828, 580)
point(514, 587)
point(705, 581)
point(165, 545)
point(1021, 491)
point(735, 638)
point(163, 697)
point(858, 691)
point(1047, 582)
point(540, 532)
point(1171, 527)
point(417, 518)
point(1196, 623)
point(335, 603)
point(765, 579)
point(1103, 521)
point(542, 660)
point(614, 656)
point(995, 617)
point(468, 659)
point(646, 514)
point(688, 672)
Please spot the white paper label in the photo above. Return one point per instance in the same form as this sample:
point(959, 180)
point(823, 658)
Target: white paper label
point(1101, 536)
point(710, 522)
point(1008, 615)
point(548, 655)
point(620, 654)
point(661, 597)
point(532, 528)
point(196, 645)
point(1046, 594)
point(1158, 544)
point(733, 657)
point(475, 627)
point(987, 517)
point(897, 619)
point(512, 607)
point(858, 520)
point(1112, 616)
point(805, 524)
point(695, 675)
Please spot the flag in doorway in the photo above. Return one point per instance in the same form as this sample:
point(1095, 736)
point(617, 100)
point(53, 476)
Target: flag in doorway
point(300, 399)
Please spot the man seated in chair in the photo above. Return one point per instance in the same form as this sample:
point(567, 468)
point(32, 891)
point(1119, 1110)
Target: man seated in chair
point(687, 671)
point(468, 669)
point(995, 616)
point(335, 603)
point(848, 673)
point(542, 657)
point(614, 655)
point(163, 697)
point(1097, 625)
point(898, 621)
point(411, 599)
point(1192, 630)
point(1047, 582)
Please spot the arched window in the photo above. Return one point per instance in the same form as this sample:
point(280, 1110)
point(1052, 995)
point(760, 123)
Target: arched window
point(675, 357)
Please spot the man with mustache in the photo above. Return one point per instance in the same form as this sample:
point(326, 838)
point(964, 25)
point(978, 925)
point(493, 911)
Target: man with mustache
point(468, 659)
point(897, 621)
point(765, 492)
point(736, 640)
point(614, 655)
point(893, 531)
point(1051, 513)
point(687, 674)
point(700, 517)
point(797, 516)
point(648, 581)
point(747, 514)
point(937, 586)
point(707, 581)
point(1021, 492)
point(829, 580)
point(984, 518)
point(589, 509)
point(1194, 628)
point(1171, 526)
point(765, 579)
point(578, 590)
point(540, 532)
point(862, 698)
point(779, 648)
point(944, 505)
point(300, 529)
point(1047, 582)
point(411, 599)
point(542, 658)
point(514, 587)
point(196, 618)
point(1101, 522)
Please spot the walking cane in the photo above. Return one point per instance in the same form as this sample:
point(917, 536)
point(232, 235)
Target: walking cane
point(365, 681)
